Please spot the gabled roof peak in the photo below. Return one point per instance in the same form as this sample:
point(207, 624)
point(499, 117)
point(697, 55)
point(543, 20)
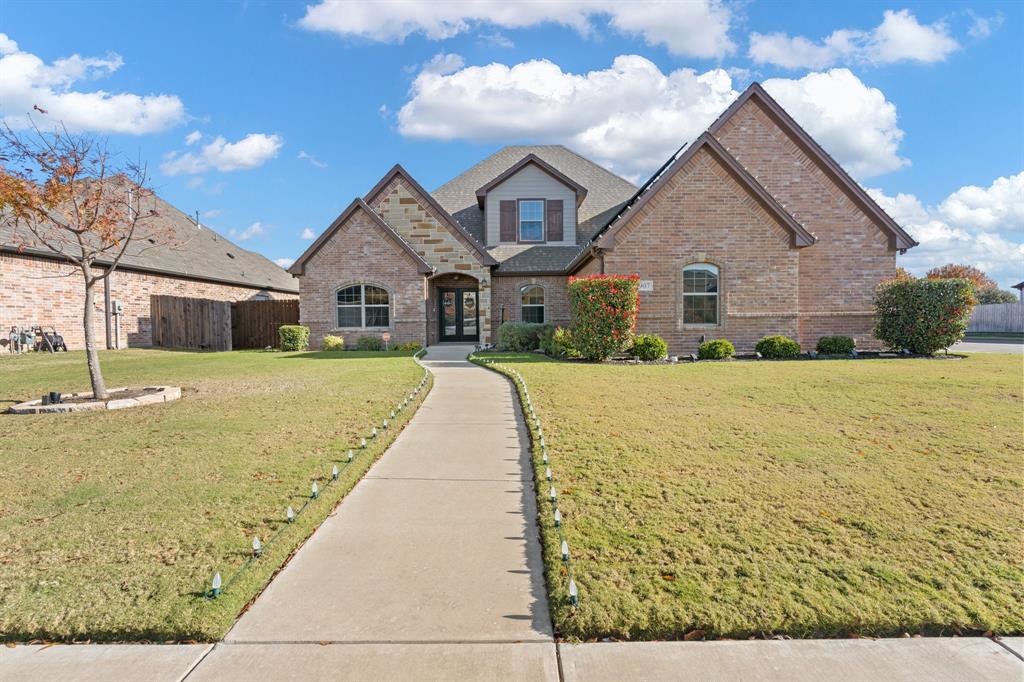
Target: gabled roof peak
point(532, 159)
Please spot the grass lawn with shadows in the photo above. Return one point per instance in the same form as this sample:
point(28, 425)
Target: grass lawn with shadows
point(113, 523)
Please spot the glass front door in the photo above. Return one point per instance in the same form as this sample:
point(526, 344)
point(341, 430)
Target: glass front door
point(459, 319)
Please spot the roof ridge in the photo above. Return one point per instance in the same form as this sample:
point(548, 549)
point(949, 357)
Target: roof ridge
point(595, 163)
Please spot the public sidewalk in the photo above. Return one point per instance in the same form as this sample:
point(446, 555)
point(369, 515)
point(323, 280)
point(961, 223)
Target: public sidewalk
point(430, 569)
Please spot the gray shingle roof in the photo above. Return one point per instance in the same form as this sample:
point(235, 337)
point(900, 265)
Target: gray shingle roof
point(606, 192)
point(199, 253)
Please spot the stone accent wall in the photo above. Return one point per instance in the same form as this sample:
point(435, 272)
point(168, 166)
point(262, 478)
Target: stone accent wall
point(360, 253)
point(410, 215)
point(507, 299)
point(838, 274)
point(703, 215)
point(43, 291)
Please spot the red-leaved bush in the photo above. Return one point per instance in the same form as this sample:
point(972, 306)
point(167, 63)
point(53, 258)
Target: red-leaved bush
point(604, 310)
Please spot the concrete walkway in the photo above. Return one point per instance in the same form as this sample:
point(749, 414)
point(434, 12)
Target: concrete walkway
point(430, 569)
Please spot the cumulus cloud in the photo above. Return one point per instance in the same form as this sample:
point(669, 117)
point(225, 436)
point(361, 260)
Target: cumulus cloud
point(284, 262)
point(26, 81)
point(631, 116)
point(900, 37)
point(979, 226)
point(251, 151)
point(254, 230)
point(854, 123)
point(308, 235)
point(697, 28)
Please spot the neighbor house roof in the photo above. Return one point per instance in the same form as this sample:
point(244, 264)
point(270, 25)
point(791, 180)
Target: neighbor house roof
point(1019, 285)
point(534, 160)
point(899, 238)
point(605, 192)
point(299, 266)
point(190, 251)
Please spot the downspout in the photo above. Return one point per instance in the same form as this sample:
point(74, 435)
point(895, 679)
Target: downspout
point(106, 308)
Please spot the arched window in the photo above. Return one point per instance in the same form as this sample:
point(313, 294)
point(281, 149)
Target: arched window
point(700, 294)
point(533, 303)
point(363, 306)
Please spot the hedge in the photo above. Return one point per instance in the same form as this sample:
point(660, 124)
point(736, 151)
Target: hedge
point(522, 336)
point(835, 345)
point(332, 343)
point(776, 347)
point(923, 315)
point(604, 311)
point(716, 349)
point(649, 347)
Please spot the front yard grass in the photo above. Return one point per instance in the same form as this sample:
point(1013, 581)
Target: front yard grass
point(808, 499)
point(113, 523)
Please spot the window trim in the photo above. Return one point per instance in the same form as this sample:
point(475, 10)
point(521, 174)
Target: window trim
point(543, 220)
point(717, 271)
point(543, 306)
point(362, 306)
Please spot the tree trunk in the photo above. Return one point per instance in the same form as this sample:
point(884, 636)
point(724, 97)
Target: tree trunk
point(99, 388)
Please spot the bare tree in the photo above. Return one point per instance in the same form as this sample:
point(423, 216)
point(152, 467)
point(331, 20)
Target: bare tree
point(68, 194)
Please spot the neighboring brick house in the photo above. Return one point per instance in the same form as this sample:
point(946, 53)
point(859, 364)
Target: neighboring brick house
point(39, 288)
point(752, 229)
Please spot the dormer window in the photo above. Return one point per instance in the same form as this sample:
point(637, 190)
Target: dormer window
point(531, 220)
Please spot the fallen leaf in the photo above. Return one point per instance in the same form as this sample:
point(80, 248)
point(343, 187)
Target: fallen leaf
point(668, 576)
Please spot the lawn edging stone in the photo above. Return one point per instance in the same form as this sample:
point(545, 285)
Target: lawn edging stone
point(152, 395)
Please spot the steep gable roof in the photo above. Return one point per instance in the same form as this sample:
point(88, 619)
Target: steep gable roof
point(899, 237)
point(605, 190)
point(800, 236)
point(532, 159)
point(447, 220)
point(299, 267)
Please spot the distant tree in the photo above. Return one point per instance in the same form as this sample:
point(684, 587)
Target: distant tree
point(67, 194)
point(903, 274)
point(995, 295)
point(977, 277)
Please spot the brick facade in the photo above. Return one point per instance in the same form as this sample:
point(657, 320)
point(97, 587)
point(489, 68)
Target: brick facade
point(507, 299)
point(360, 253)
point(44, 291)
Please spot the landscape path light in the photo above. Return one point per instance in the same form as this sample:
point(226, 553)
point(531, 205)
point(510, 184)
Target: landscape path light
point(574, 596)
point(215, 592)
point(362, 443)
point(553, 495)
point(547, 473)
point(373, 432)
point(290, 515)
point(334, 472)
point(314, 491)
point(565, 550)
point(257, 546)
point(350, 456)
point(558, 518)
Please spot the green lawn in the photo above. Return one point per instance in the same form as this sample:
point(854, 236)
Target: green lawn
point(112, 524)
point(828, 498)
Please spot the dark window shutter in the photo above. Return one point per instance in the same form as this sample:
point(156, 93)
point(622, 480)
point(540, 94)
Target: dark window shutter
point(555, 220)
point(507, 231)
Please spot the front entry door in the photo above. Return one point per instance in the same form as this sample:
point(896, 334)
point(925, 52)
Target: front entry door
point(459, 315)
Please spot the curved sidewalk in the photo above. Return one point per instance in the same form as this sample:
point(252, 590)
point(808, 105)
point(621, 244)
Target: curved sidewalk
point(429, 569)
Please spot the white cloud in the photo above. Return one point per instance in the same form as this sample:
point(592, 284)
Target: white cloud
point(251, 151)
point(26, 81)
point(697, 28)
point(444, 63)
point(983, 27)
point(308, 234)
point(854, 123)
point(988, 233)
point(212, 213)
point(900, 37)
point(193, 137)
point(496, 39)
point(254, 230)
point(284, 262)
point(631, 116)
point(195, 182)
point(304, 156)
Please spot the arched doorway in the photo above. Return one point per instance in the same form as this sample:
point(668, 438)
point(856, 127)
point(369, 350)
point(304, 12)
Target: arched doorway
point(458, 308)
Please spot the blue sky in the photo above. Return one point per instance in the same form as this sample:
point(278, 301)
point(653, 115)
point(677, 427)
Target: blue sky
point(269, 118)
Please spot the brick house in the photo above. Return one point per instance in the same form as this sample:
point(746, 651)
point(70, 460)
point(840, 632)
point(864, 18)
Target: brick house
point(752, 229)
point(39, 288)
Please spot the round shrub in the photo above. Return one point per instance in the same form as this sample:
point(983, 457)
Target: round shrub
point(559, 344)
point(836, 345)
point(521, 336)
point(716, 349)
point(293, 337)
point(370, 343)
point(332, 343)
point(923, 315)
point(775, 347)
point(648, 347)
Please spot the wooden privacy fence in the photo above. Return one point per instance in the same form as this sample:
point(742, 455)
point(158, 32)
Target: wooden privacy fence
point(997, 317)
point(190, 323)
point(254, 323)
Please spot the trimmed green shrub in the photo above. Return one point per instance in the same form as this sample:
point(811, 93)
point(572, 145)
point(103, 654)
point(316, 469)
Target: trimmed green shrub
point(604, 310)
point(991, 295)
point(332, 343)
point(835, 345)
point(649, 347)
point(776, 347)
point(923, 315)
point(370, 343)
point(409, 347)
point(716, 349)
point(522, 336)
point(559, 344)
point(293, 337)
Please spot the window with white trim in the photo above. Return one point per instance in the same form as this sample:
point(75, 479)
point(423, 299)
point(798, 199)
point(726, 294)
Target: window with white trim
point(700, 294)
point(363, 306)
point(533, 303)
point(531, 220)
